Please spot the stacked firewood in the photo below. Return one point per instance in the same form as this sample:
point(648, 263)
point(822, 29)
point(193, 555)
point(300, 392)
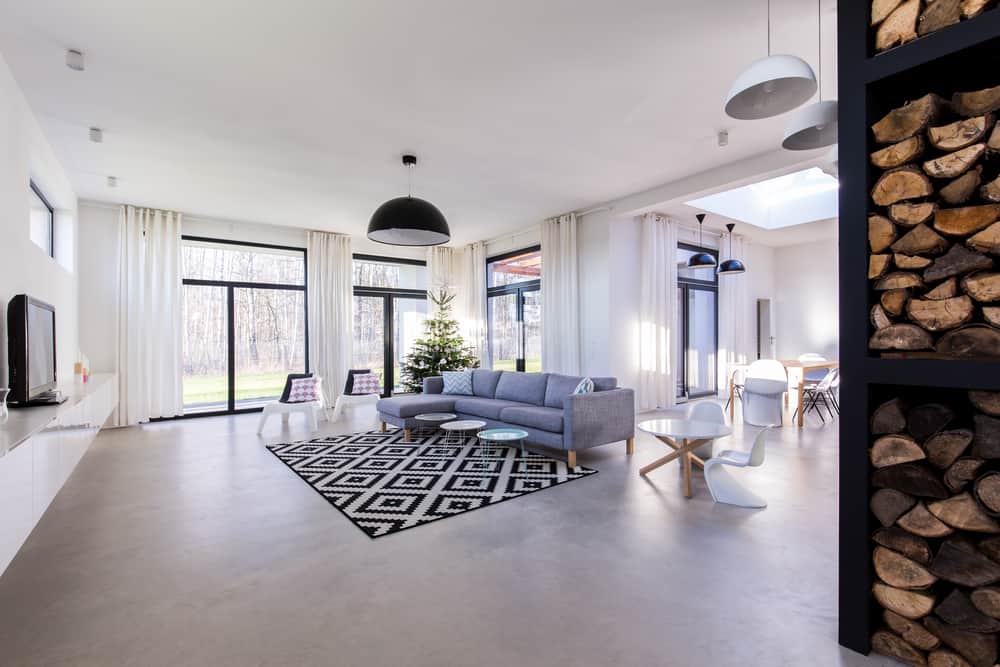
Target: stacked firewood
point(900, 21)
point(936, 479)
point(934, 229)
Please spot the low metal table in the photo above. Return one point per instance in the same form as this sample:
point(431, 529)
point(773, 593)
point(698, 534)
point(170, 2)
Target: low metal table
point(499, 435)
point(435, 419)
point(459, 428)
point(683, 436)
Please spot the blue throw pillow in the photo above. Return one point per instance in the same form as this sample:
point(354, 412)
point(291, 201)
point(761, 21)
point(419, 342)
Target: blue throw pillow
point(457, 382)
point(586, 386)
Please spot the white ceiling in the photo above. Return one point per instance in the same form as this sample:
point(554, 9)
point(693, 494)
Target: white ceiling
point(295, 113)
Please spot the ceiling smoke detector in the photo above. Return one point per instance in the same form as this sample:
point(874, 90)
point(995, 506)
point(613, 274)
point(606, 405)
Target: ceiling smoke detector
point(96, 135)
point(112, 182)
point(74, 60)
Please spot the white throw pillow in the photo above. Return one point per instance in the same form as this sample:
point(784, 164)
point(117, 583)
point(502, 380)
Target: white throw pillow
point(457, 382)
point(586, 386)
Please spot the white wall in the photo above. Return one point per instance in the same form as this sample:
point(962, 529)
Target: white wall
point(24, 267)
point(807, 300)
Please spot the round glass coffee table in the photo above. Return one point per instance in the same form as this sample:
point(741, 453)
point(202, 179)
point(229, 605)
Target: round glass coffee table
point(435, 419)
point(504, 435)
point(458, 429)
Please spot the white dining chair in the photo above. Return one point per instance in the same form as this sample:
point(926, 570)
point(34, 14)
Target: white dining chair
point(813, 376)
point(723, 486)
point(765, 385)
point(737, 377)
point(706, 411)
point(823, 392)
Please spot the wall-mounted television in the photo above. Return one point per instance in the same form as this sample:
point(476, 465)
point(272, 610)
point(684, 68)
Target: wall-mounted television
point(31, 349)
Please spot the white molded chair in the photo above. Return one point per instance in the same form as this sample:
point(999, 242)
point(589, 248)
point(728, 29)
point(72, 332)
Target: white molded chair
point(706, 411)
point(823, 392)
point(348, 399)
point(814, 376)
point(309, 409)
point(765, 385)
point(738, 378)
point(723, 486)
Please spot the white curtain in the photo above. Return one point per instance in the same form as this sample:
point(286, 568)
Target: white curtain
point(331, 301)
point(462, 271)
point(150, 315)
point(737, 319)
point(658, 326)
point(560, 296)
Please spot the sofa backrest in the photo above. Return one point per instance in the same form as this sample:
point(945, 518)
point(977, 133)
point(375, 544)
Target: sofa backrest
point(484, 382)
point(522, 387)
point(561, 386)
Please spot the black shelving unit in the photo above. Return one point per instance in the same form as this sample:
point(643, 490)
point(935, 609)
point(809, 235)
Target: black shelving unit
point(961, 57)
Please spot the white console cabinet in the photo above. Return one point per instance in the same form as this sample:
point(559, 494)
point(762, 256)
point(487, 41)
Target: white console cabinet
point(39, 447)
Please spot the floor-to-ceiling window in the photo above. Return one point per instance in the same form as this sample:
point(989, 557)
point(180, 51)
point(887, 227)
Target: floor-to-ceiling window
point(390, 306)
point(697, 320)
point(244, 323)
point(514, 310)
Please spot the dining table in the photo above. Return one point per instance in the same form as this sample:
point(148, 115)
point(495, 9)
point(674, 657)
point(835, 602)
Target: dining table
point(795, 369)
point(683, 436)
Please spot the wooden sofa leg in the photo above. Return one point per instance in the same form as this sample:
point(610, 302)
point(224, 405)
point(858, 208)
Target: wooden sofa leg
point(382, 427)
point(406, 434)
point(630, 446)
point(571, 458)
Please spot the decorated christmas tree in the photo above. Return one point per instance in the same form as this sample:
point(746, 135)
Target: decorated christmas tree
point(441, 348)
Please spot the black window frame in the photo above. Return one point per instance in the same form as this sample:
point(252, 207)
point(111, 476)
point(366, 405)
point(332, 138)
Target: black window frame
point(519, 290)
point(51, 250)
point(687, 284)
point(389, 296)
point(231, 286)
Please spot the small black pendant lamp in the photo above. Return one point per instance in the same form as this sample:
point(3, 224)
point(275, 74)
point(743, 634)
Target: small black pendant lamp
point(408, 221)
point(701, 260)
point(731, 266)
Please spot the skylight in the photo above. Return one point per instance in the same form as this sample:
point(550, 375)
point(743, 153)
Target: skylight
point(793, 199)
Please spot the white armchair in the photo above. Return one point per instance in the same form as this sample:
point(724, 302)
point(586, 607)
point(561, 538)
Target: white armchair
point(723, 486)
point(765, 385)
point(309, 409)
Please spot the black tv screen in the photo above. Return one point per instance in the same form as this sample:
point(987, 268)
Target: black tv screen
point(31, 346)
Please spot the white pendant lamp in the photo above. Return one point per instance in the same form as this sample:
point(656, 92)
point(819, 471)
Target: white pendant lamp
point(770, 86)
point(816, 125)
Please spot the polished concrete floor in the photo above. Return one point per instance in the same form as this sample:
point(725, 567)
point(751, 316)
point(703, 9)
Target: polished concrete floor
point(186, 543)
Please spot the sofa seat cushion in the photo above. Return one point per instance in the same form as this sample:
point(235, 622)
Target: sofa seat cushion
point(522, 387)
point(488, 408)
point(411, 406)
point(533, 416)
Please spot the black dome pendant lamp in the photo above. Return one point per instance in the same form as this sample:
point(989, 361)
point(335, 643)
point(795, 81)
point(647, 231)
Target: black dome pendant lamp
point(731, 266)
point(701, 260)
point(408, 221)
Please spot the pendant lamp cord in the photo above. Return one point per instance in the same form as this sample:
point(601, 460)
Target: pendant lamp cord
point(819, 41)
point(769, 28)
point(409, 181)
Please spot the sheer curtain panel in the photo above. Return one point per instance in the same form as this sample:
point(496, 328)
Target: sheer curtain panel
point(150, 315)
point(737, 318)
point(331, 299)
point(658, 326)
point(560, 296)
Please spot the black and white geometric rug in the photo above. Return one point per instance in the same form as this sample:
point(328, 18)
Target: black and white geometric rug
point(385, 485)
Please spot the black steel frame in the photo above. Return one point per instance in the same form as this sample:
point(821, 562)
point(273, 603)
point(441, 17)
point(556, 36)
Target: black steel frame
point(964, 56)
point(519, 290)
point(231, 286)
point(688, 284)
point(389, 296)
point(51, 250)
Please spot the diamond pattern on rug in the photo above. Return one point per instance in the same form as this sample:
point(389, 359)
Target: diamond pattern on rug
point(384, 485)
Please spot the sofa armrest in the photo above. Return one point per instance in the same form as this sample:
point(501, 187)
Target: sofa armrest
point(598, 418)
point(433, 385)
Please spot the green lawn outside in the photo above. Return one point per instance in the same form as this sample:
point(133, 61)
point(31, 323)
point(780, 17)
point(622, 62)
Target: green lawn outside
point(530, 365)
point(212, 388)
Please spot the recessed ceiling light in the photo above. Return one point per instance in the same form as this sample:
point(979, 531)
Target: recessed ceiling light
point(96, 135)
point(74, 60)
point(112, 182)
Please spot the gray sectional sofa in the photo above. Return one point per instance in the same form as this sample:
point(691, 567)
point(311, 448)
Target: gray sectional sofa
point(543, 404)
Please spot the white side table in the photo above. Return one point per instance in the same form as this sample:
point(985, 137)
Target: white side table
point(435, 419)
point(459, 428)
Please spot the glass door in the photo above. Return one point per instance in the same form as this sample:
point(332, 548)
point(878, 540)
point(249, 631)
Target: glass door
point(531, 317)
point(269, 342)
point(515, 328)
point(385, 327)
point(206, 343)
point(697, 341)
